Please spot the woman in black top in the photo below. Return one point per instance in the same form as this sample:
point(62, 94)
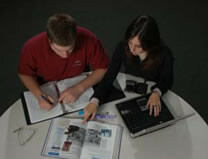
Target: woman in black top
point(141, 53)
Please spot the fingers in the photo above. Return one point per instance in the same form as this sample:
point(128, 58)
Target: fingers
point(150, 110)
point(154, 105)
point(86, 116)
point(89, 112)
point(150, 106)
point(61, 97)
point(93, 116)
point(51, 99)
point(45, 105)
point(156, 111)
point(69, 95)
point(156, 108)
point(46, 102)
point(65, 98)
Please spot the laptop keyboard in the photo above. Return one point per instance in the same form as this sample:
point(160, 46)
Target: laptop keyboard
point(136, 115)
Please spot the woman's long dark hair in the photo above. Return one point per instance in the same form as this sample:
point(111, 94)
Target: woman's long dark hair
point(146, 29)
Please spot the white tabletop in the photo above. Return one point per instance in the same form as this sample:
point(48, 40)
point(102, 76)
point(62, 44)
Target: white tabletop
point(187, 139)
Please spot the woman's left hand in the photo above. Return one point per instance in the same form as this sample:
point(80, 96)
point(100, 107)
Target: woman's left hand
point(154, 104)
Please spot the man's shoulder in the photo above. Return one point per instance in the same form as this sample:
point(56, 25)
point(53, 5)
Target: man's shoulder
point(36, 40)
point(84, 33)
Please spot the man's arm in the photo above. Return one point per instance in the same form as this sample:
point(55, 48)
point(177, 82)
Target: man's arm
point(72, 93)
point(95, 77)
point(31, 83)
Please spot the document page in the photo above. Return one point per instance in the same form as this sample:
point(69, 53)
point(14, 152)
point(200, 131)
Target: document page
point(99, 141)
point(35, 112)
point(65, 140)
point(83, 100)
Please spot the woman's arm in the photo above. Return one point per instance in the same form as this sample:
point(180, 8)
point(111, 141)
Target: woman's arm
point(165, 72)
point(105, 85)
point(165, 82)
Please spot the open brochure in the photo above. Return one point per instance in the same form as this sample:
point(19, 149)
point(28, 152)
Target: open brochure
point(34, 113)
point(69, 138)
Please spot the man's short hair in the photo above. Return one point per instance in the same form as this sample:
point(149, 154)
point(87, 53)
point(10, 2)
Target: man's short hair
point(61, 29)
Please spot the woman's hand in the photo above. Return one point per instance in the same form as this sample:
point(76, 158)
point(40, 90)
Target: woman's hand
point(154, 104)
point(90, 112)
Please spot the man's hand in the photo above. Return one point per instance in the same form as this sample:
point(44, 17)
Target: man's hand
point(154, 104)
point(46, 102)
point(32, 84)
point(70, 95)
point(89, 110)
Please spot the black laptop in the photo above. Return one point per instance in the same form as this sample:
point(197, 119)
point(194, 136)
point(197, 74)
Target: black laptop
point(136, 116)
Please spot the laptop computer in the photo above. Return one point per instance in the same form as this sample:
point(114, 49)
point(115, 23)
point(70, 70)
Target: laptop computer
point(136, 116)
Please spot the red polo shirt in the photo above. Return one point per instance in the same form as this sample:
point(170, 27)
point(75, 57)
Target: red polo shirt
point(39, 60)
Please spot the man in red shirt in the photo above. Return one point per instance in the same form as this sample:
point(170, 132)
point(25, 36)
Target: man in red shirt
point(63, 51)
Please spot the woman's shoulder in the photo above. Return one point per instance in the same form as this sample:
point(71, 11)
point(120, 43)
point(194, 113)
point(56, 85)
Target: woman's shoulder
point(166, 52)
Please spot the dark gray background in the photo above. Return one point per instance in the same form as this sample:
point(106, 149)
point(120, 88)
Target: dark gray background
point(183, 25)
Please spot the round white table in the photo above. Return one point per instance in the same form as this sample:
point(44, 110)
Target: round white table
point(187, 139)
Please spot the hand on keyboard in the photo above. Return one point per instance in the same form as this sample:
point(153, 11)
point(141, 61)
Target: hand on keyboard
point(154, 104)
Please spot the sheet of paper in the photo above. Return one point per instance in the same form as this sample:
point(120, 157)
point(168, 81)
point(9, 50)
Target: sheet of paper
point(35, 112)
point(83, 100)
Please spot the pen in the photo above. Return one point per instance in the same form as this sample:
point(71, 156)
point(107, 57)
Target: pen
point(46, 99)
point(105, 116)
point(57, 90)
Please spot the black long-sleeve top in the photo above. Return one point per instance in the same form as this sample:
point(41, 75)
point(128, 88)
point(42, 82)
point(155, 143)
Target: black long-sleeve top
point(162, 73)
